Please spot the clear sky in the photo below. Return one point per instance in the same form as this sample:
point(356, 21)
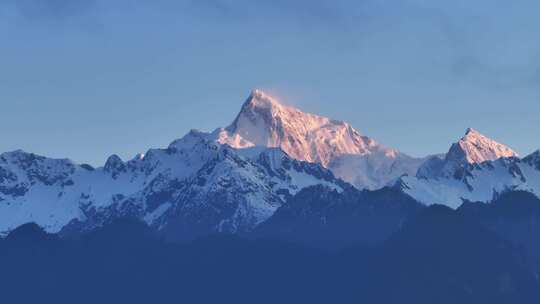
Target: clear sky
point(87, 78)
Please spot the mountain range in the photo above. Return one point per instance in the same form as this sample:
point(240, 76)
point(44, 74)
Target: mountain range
point(470, 255)
point(475, 168)
point(254, 173)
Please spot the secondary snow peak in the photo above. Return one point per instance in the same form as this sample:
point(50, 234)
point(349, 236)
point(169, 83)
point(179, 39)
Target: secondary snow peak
point(478, 148)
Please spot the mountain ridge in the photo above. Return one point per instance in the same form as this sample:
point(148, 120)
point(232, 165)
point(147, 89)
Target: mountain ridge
point(215, 183)
point(264, 121)
point(235, 178)
point(475, 168)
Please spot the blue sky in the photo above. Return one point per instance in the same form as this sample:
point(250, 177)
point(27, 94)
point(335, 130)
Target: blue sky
point(87, 78)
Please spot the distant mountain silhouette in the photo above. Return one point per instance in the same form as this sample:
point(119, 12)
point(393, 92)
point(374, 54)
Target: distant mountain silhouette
point(515, 216)
point(122, 263)
point(323, 217)
point(29, 233)
point(437, 256)
point(442, 257)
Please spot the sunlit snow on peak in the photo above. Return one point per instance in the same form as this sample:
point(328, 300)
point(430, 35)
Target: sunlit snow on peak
point(265, 121)
point(478, 148)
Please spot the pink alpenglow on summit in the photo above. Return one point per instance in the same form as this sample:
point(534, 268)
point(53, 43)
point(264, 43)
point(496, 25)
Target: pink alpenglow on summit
point(477, 169)
point(263, 121)
point(358, 159)
point(478, 148)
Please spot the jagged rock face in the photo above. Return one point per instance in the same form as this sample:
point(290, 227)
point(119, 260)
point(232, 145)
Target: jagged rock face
point(197, 182)
point(472, 149)
point(476, 168)
point(355, 158)
point(115, 166)
point(27, 177)
point(476, 148)
point(533, 160)
point(263, 121)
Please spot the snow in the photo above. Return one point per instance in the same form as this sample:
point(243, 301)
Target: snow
point(59, 192)
point(156, 214)
point(301, 180)
point(476, 168)
point(374, 170)
point(481, 184)
point(269, 152)
point(478, 148)
point(357, 159)
point(54, 205)
point(263, 121)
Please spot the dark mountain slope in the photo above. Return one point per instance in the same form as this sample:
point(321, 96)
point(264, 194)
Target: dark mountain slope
point(323, 217)
point(437, 257)
point(442, 257)
point(514, 215)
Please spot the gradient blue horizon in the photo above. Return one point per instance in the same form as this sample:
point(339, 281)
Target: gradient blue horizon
point(85, 79)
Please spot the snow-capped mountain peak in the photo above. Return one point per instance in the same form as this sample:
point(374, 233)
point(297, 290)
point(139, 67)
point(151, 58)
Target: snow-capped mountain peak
point(264, 121)
point(258, 98)
point(476, 168)
point(236, 177)
point(472, 149)
point(358, 159)
point(476, 148)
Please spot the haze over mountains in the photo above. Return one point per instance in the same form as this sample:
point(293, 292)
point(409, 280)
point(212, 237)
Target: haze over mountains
point(235, 178)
